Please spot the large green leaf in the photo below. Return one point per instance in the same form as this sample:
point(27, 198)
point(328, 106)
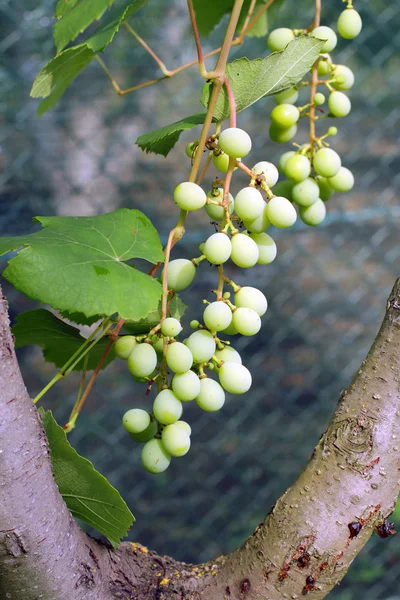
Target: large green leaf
point(78, 264)
point(58, 339)
point(254, 79)
point(87, 494)
point(64, 6)
point(56, 76)
point(176, 309)
point(162, 140)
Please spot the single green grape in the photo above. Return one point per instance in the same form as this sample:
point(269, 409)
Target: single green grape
point(285, 115)
point(221, 162)
point(124, 346)
point(184, 426)
point(142, 360)
point(324, 65)
point(212, 396)
point(284, 188)
point(136, 420)
point(228, 354)
point(319, 99)
point(181, 273)
point(258, 225)
point(332, 131)
point(144, 436)
point(171, 327)
point(167, 409)
point(189, 196)
point(175, 440)
point(194, 324)
point(191, 149)
point(327, 34)
point(283, 160)
point(349, 23)
point(266, 248)
point(246, 321)
point(217, 248)
point(305, 192)
point(339, 104)
point(179, 358)
point(217, 213)
point(235, 142)
point(231, 330)
point(201, 343)
point(269, 171)
point(217, 316)
point(235, 378)
point(343, 181)
point(154, 457)
point(326, 162)
point(281, 212)
point(325, 190)
point(279, 38)
point(251, 297)
point(245, 252)
point(159, 345)
point(344, 78)
point(277, 134)
point(289, 96)
point(297, 168)
point(314, 214)
point(186, 386)
point(249, 203)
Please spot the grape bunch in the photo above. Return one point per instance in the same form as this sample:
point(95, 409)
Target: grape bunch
point(314, 171)
point(204, 366)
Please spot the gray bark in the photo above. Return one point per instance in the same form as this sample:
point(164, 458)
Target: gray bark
point(304, 546)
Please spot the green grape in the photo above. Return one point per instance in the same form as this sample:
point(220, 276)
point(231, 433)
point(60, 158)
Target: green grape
point(217, 248)
point(319, 99)
point(212, 396)
point(325, 190)
point(171, 327)
point(277, 134)
point(185, 426)
point(246, 321)
point(136, 420)
point(159, 346)
point(228, 354)
point(226, 295)
point(154, 457)
point(181, 273)
point(260, 224)
point(284, 188)
point(332, 131)
point(179, 358)
point(146, 435)
point(194, 324)
point(235, 378)
point(279, 38)
point(305, 192)
point(285, 115)
point(231, 330)
point(189, 196)
point(349, 23)
point(202, 345)
point(142, 360)
point(191, 149)
point(289, 96)
point(186, 386)
point(269, 171)
point(266, 248)
point(217, 212)
point(251, 297)
point(339, 104)
point(281, 212)
point(249, 204)
point(217, 316)
point(314, 214)
point(124, 346)
point(175, 440)
point(297, 167)
point(344, 78)
point(221, 162)
point(327, 162)
point(324, 65)
point(167, 409)
point(325, 33)
point(343, 181)
point(283, 160)
point(235, 142)
point(245, 252)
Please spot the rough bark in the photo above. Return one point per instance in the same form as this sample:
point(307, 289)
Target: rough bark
point(304, 546)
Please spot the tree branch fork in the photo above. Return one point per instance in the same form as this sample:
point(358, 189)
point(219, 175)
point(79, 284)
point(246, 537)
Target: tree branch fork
point(304, 546)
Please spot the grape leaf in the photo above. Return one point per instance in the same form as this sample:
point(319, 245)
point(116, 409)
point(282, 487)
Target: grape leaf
point(64, 6)
point(56, 76)
point(87, 494)
point(251, 80)
point(58, 339)
point(260, 29)
point(209, 13)
point(78, 18)
point(78, 264)
point(176, 309)
point(161, 141)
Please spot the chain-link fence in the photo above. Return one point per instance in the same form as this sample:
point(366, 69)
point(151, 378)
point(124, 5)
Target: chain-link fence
point(326, 289)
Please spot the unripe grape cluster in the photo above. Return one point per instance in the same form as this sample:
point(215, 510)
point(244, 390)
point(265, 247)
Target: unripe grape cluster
point(203, 366)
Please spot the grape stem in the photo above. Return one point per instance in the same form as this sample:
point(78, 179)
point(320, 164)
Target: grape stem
point(141, 41)
point(200, 57)
point(314, 82)
point(69, 426)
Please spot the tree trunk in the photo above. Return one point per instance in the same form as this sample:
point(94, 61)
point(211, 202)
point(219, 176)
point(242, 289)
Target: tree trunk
point(304, 546)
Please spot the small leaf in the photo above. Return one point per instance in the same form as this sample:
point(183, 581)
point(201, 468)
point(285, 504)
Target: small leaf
point(161, 141)
point(87, 494)
point(251, 80)
point(209, 13)
point(176, 309)
point(58, 339)
point(78, 264)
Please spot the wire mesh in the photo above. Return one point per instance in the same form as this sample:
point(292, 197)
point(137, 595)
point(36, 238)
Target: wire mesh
point(326, 290)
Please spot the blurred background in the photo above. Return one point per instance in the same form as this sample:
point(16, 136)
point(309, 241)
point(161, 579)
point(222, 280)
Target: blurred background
point(326, 289)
